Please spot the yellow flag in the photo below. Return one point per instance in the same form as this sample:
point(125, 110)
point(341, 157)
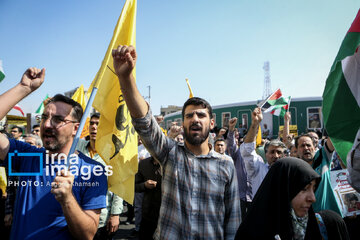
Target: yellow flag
point(79, 96)
point(258, 137)
point(3, 181)
point(116, 140)
point(191, 93)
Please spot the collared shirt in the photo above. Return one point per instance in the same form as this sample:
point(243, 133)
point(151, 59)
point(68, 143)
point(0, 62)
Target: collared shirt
point(200, 198)
point(243, 183)
point(255, 167)
point(114, 203)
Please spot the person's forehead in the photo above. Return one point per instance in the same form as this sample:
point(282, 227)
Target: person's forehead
point(30, 139)
point(58, 108)
point(276, 148)
point(94, 119)
point(305, 139)
point(220, 143)
point(194, 108)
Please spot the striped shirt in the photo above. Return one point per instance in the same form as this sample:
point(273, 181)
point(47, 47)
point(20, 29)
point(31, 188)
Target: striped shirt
point(200, 198)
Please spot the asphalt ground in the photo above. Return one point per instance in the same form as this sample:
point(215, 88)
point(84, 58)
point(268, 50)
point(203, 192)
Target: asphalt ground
point(125, 231)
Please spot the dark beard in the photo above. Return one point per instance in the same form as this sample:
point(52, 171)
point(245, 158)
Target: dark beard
point(197, 140)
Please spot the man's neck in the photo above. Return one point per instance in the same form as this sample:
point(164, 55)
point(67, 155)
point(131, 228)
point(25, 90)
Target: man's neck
point(92, 144)
point(202, 149)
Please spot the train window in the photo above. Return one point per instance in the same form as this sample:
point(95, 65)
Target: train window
point(244, 120)
point(225, 119)
point(314, 118)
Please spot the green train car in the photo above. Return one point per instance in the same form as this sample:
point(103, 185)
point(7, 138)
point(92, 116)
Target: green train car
point(305, 114)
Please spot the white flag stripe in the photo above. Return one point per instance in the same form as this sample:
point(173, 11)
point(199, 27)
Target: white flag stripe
point(351, 70)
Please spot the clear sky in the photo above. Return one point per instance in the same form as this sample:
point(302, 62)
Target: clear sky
point(220, 46)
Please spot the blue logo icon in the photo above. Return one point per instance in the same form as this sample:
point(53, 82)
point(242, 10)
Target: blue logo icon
point(17, 154)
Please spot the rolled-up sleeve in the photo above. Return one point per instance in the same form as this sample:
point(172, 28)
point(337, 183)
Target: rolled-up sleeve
point(251, 158)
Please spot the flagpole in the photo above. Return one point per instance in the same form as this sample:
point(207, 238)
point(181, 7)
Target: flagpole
point(82, 123)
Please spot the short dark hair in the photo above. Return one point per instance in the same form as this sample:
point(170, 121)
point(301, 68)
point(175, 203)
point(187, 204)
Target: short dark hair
point(275, 143)
point(303, 135)
point(95, 115)
point(196, 101)
point(77, 110)
point(219, 140)
point(35, 126)
point(18, 128)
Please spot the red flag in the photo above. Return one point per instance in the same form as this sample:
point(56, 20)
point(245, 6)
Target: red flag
point(17, 107)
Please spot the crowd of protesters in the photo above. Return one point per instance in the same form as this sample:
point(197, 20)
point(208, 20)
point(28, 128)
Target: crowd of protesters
point(195, 181)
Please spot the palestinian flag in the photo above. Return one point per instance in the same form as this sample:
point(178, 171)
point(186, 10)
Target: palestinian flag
point(341, 97)
point(276, 104)
point(2, 74)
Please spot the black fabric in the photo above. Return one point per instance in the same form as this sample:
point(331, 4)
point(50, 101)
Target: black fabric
point(269, 213)
point(335, 225)
point(151, 203)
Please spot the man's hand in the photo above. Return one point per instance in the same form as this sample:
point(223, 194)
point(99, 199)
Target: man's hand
point(221, 132)
point(232, 124)
point(33, 78)
point(329, 145)
point(113, 224)
point(124, 60)
point(8, 220)
point(61, 187)
point(150, 184)
point(174, 131)
point(256, 116)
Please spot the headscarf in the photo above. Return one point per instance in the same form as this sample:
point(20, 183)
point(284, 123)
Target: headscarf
point(335, 227)
point(269, 214)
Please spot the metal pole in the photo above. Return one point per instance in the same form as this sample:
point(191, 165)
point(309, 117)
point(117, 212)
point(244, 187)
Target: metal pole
point(149, 95)
point(82, 123)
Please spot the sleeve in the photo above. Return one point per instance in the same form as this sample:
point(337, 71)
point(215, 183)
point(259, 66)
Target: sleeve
point(231, 144)
point(16, 158)
point(327, 156)
point(11, 194)
point(251, 159)
point(139, 179)
point(94, 196)
point(232, 218)
point(153, 137)
point(116, 205)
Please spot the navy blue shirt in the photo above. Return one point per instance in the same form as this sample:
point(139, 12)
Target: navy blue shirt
point(37, 214)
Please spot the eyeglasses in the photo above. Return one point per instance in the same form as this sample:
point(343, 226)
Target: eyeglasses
point(56, 121)
point(36, 130)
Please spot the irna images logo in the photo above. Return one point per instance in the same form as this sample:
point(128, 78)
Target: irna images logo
point(25, 155)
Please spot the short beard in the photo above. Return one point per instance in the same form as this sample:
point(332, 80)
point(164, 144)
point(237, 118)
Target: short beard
point(55, 146)
point(197, 140)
